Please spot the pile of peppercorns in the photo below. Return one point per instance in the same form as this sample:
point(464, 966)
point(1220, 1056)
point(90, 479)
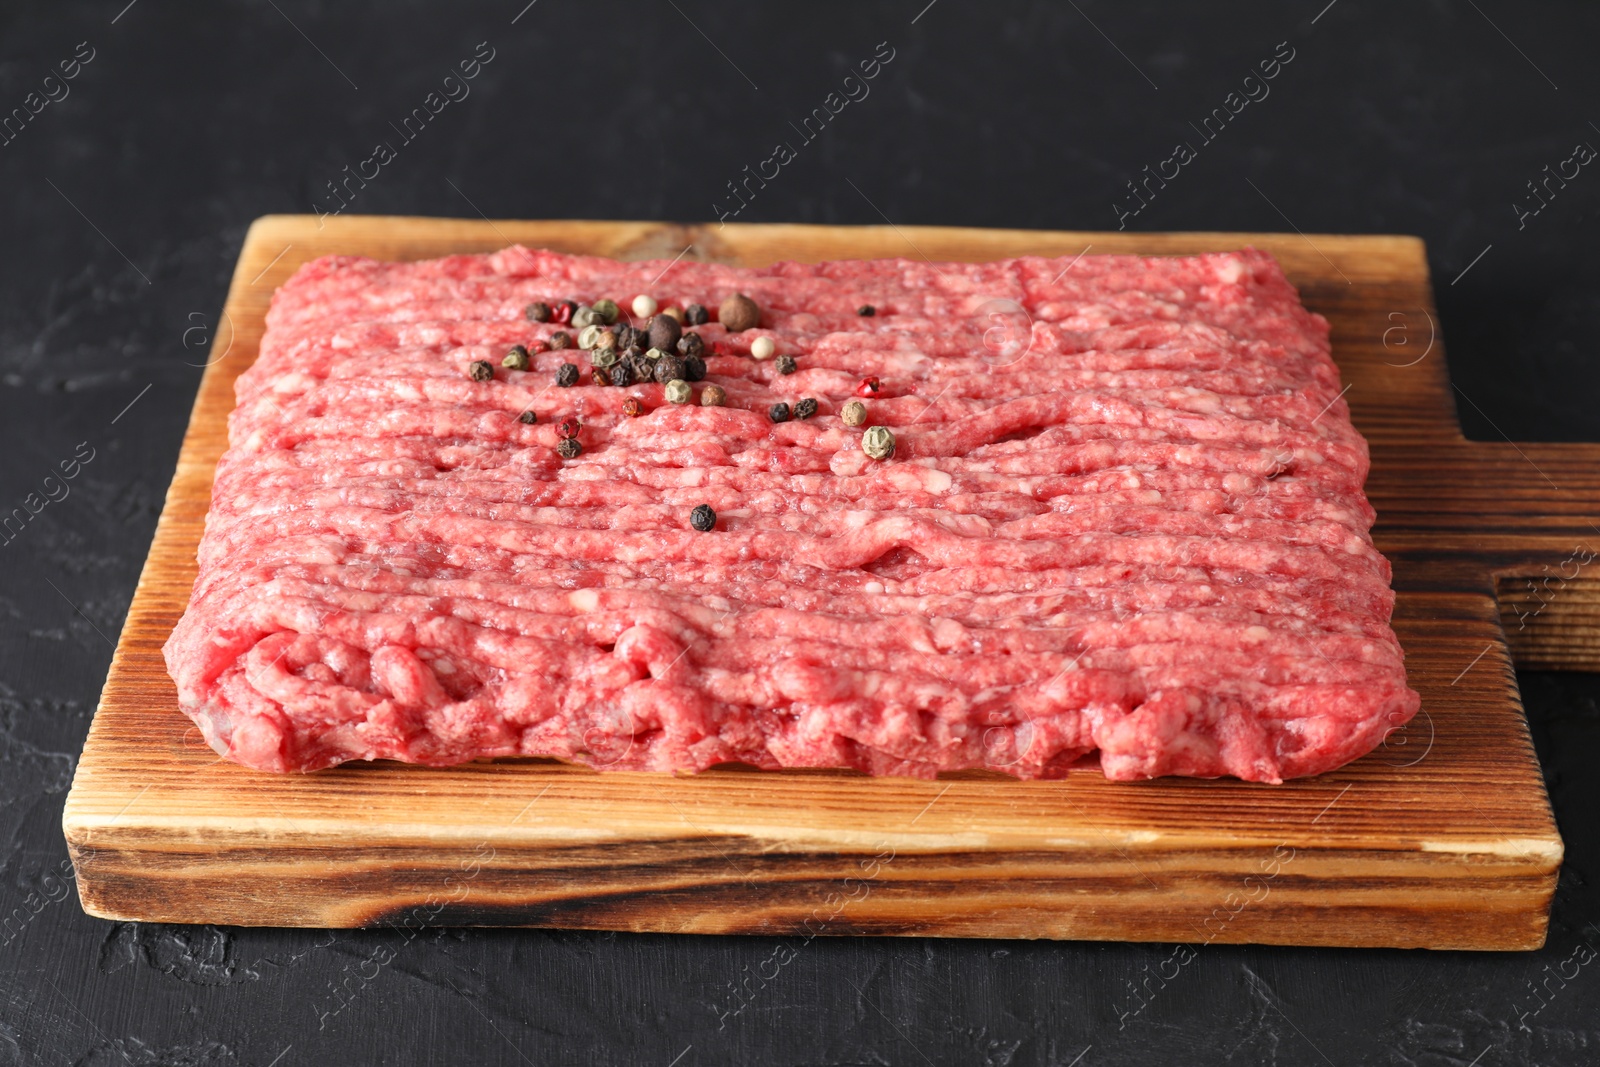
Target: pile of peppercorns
point(661, 350)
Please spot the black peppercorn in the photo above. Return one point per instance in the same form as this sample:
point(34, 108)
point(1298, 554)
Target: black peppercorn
point(527, 418)
point(567, 376)
point(866, 311)
point(627, 336)
point(702, 518)
point(696, 315)
point(622, 374)
point(664, 332)
point(569, 448)
point(480, 370)
point(804, 409)
point(538, 311)
point(560, 339)
point(694, 368)
point(670, 367)
point(642, 366)
point(787, 365)
point(691, 344)
point(779, 412)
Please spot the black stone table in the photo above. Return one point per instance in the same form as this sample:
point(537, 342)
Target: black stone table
point(136, 144)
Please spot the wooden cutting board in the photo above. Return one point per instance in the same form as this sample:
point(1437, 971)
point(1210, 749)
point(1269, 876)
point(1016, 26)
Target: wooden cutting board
point(1443, 838)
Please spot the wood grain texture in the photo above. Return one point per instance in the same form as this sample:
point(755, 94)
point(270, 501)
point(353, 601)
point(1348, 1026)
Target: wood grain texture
point(1443, 838)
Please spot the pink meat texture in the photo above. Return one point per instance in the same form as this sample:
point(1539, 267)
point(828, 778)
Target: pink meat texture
point(1124, 521)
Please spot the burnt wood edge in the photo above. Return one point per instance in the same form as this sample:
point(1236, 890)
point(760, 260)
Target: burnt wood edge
point(1481, 901)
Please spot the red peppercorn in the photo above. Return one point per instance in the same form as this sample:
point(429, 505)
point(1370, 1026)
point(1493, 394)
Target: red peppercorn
point(568, 428)
point(869, 386)
point(633, 407)
point(537, 346)
point(562, 312)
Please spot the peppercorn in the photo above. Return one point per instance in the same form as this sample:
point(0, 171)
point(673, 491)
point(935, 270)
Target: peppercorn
point(589, 336)
point(779, 412)
point(480, 370)
point(805, 408)
point(644, 306)
point(633, 407)
point(602, 357)
point(622, 374)
point(627, 336)
point(516, 359)
point(538, 346)
point(538, 311)
point(878, 442)
point(569, 448)
point(702, 518)
point(738, 312)
point(712, 396)
point(653, 354)
point(869, 386)
point(696, 315)
point(568, 427)
point(678, 391)
point(694, 368)
point(787, 365)
point(691, 344)
point(670, 367)
point(563, 311)
point(853, 413)
point(585, 317)
point(763, 348)
point(560, 339)
point(527, 418)
point(664, 332)
point(607, 309)
point(643, 369)
point(601, 376)
point(866, 311)
point(567, 375)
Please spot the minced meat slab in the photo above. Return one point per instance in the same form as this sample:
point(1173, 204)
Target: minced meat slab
point(1124, 517)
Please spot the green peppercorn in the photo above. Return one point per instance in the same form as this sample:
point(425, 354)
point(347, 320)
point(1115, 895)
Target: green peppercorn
point(480, 370)
point(585, 317)
point(696, 315)
point(603, 357)
point(878, 442)
point(866, 311)
point(567, 375)
point(702, 518)
point(569, 448)
point(527, 418)
point(516, 359)
point(678, 391)
point(589, 336)
point(607, 309)
point(560, 339)
point(712, 396)
point(787, 365)
point(538, 311)
point(805, 408)
point(653, 354)
point(778, 412)
point(854, 413)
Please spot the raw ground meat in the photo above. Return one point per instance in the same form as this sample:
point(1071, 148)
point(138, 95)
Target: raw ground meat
point(1124, 518)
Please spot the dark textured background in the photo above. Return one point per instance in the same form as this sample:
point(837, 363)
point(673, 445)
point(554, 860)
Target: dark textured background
point(123, 209)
